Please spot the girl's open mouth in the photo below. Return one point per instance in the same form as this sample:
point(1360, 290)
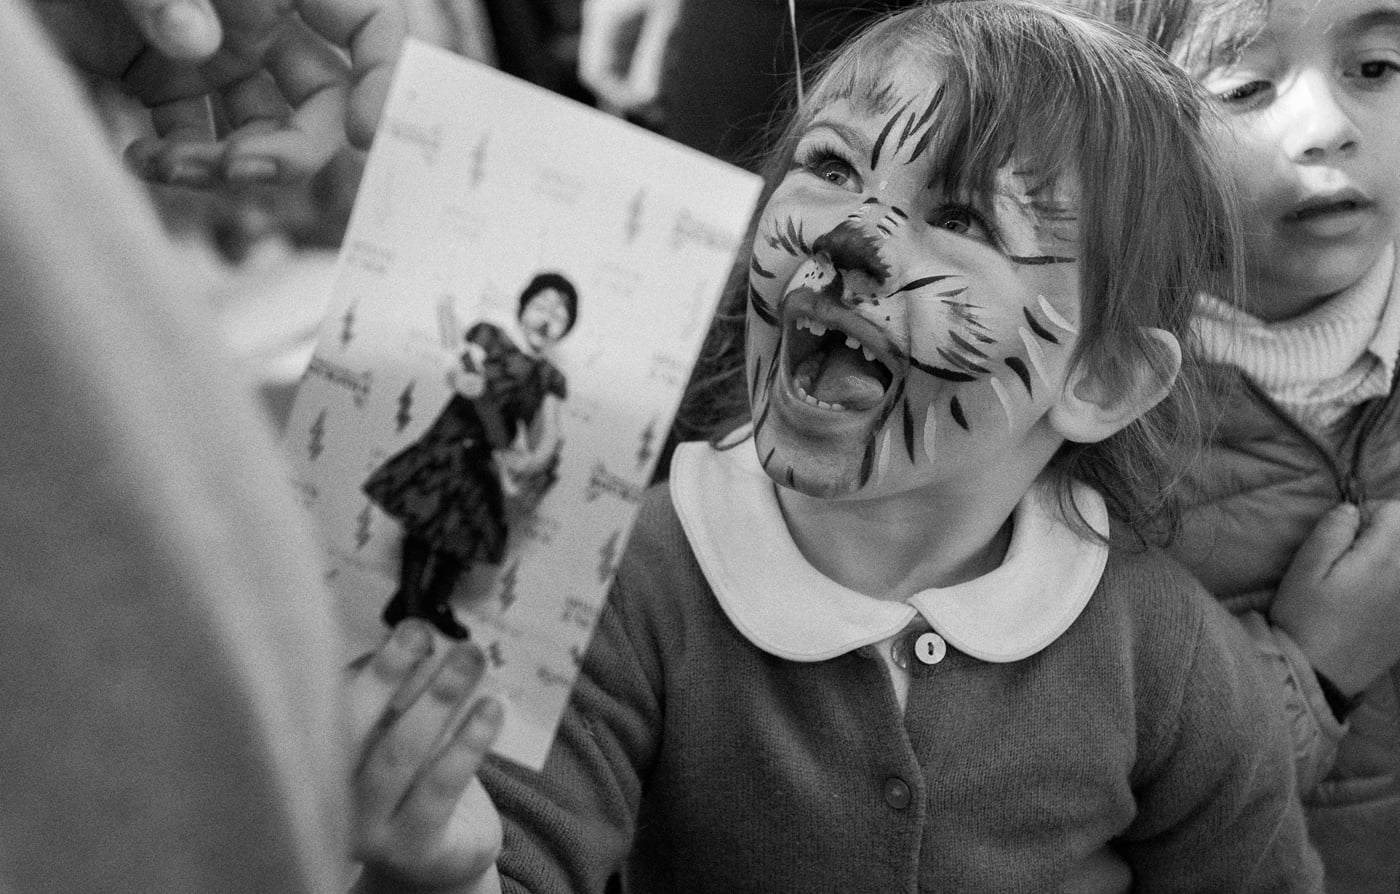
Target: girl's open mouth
point(834, 370)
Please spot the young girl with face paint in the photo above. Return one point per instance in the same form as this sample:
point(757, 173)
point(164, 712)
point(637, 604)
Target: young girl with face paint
point(898, 631)
point(1293, 519)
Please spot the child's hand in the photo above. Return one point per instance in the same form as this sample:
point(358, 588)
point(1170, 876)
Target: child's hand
point(422, 820)
point(466, 371)
point(469, 385)
point(622, 49)
point(1340, 600)
point(289, 78)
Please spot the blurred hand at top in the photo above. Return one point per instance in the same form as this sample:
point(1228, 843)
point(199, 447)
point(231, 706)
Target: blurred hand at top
point(239, 90)
point(622, 51)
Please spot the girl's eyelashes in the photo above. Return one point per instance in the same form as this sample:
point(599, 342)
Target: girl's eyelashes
point(828, 164)
point(1375, 72)
point(964, 220)
point(1242, 93)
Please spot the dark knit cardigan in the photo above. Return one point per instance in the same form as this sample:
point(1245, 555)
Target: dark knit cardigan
point(694, 761)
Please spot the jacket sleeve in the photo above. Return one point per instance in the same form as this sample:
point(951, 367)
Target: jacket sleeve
point(1313, 728)
point(1219, 763)
point(569, 827)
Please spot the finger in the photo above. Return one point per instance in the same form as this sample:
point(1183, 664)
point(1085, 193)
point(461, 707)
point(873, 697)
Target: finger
point(187, 30)
point(467, 29)
point(183, 151)
point(378, 688)
point(1380, 525)
point(72, 26)
point(391, 763)
point(435, 793)
point(648, 60)
point(373, 31)
point(606, 43)
point(255, 103)
point(1330, 539)
point(310, 77)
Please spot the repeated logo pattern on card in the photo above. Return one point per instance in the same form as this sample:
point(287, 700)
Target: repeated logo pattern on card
point(440, 409)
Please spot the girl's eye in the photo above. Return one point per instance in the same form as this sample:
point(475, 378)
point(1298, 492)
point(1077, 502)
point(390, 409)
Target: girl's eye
point(1242, 92)
point(1377, 70)
point(963, 221)
point(834, 171)
point(831, 167)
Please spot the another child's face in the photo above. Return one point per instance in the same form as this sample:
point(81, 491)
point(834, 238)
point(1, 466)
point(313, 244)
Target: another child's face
point(899, 337)
point(1312, 110)
point(545, 318)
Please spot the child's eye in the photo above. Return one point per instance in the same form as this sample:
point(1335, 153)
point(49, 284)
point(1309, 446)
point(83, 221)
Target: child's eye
point(1376, 70)
point(963, 221)
point(1242, 92)
point(829, 165)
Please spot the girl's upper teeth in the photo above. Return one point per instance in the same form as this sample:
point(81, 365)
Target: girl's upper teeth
point(852, 342)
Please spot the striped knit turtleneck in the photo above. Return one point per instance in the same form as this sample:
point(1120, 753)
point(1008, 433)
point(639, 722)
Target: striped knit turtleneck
point(1320, 364)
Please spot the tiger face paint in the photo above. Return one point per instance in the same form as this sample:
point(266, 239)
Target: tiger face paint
point(900, 337)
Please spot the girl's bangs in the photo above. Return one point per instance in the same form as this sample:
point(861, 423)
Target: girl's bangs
point(989, 113)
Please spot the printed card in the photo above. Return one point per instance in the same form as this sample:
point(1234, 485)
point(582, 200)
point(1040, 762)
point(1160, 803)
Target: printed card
point(519, 300)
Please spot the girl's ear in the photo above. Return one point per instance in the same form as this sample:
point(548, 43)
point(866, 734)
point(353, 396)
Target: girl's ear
point(1091, 408)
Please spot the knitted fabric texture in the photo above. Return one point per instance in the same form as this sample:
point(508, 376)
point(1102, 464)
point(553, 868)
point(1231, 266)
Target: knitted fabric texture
point(1320, 364)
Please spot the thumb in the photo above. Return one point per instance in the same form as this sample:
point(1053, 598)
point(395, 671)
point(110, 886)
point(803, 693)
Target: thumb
point(649, 59)
point(186, 30)
point(1334, 535)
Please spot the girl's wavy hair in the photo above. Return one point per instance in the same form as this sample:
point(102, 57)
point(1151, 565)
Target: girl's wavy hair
point(1199, 34)
point(1087, 108)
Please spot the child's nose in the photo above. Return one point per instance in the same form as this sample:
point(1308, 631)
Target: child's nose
point(1320, 124)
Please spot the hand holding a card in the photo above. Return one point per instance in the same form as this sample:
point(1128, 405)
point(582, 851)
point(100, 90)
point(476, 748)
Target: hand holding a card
point(285, 81)
point(422, 820)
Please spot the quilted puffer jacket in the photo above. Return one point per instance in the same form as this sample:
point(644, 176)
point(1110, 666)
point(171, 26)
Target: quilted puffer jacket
point(1263, 485)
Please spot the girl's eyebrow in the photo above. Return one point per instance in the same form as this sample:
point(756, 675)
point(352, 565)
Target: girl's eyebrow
point(1387, 16)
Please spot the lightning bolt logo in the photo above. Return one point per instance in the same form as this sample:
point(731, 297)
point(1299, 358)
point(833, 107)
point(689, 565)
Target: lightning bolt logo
point(607, 557)
point(478, 168)
point(362, 527)
point(508, 594)
point(634, 215)
point(317, 443)
point(404, 417)
point(347, 326)
point(644, 449)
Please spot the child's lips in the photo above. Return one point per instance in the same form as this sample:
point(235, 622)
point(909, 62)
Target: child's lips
point(1339, 215)
point(1334, 204)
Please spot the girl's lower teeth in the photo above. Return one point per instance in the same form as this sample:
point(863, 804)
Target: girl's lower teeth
point(801, 383)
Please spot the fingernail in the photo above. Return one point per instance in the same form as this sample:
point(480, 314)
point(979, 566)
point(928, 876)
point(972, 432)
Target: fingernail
point(413, 636)
point(467, 658)
point(252, 168)
point(484, 721)
point(187, 28)
point(188, 173)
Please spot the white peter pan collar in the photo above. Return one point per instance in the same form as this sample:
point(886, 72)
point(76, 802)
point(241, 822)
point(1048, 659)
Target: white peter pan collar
point(729, 510)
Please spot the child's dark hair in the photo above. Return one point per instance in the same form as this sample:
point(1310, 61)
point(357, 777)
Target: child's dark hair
point(1106, 117)
point(559, 283)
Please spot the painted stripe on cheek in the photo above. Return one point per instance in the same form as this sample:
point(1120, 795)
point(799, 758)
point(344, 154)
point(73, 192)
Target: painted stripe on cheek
point(1037, 356)
point(930, 432)
point(1054, 316)
point(883, 465)
point(1005, 399)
